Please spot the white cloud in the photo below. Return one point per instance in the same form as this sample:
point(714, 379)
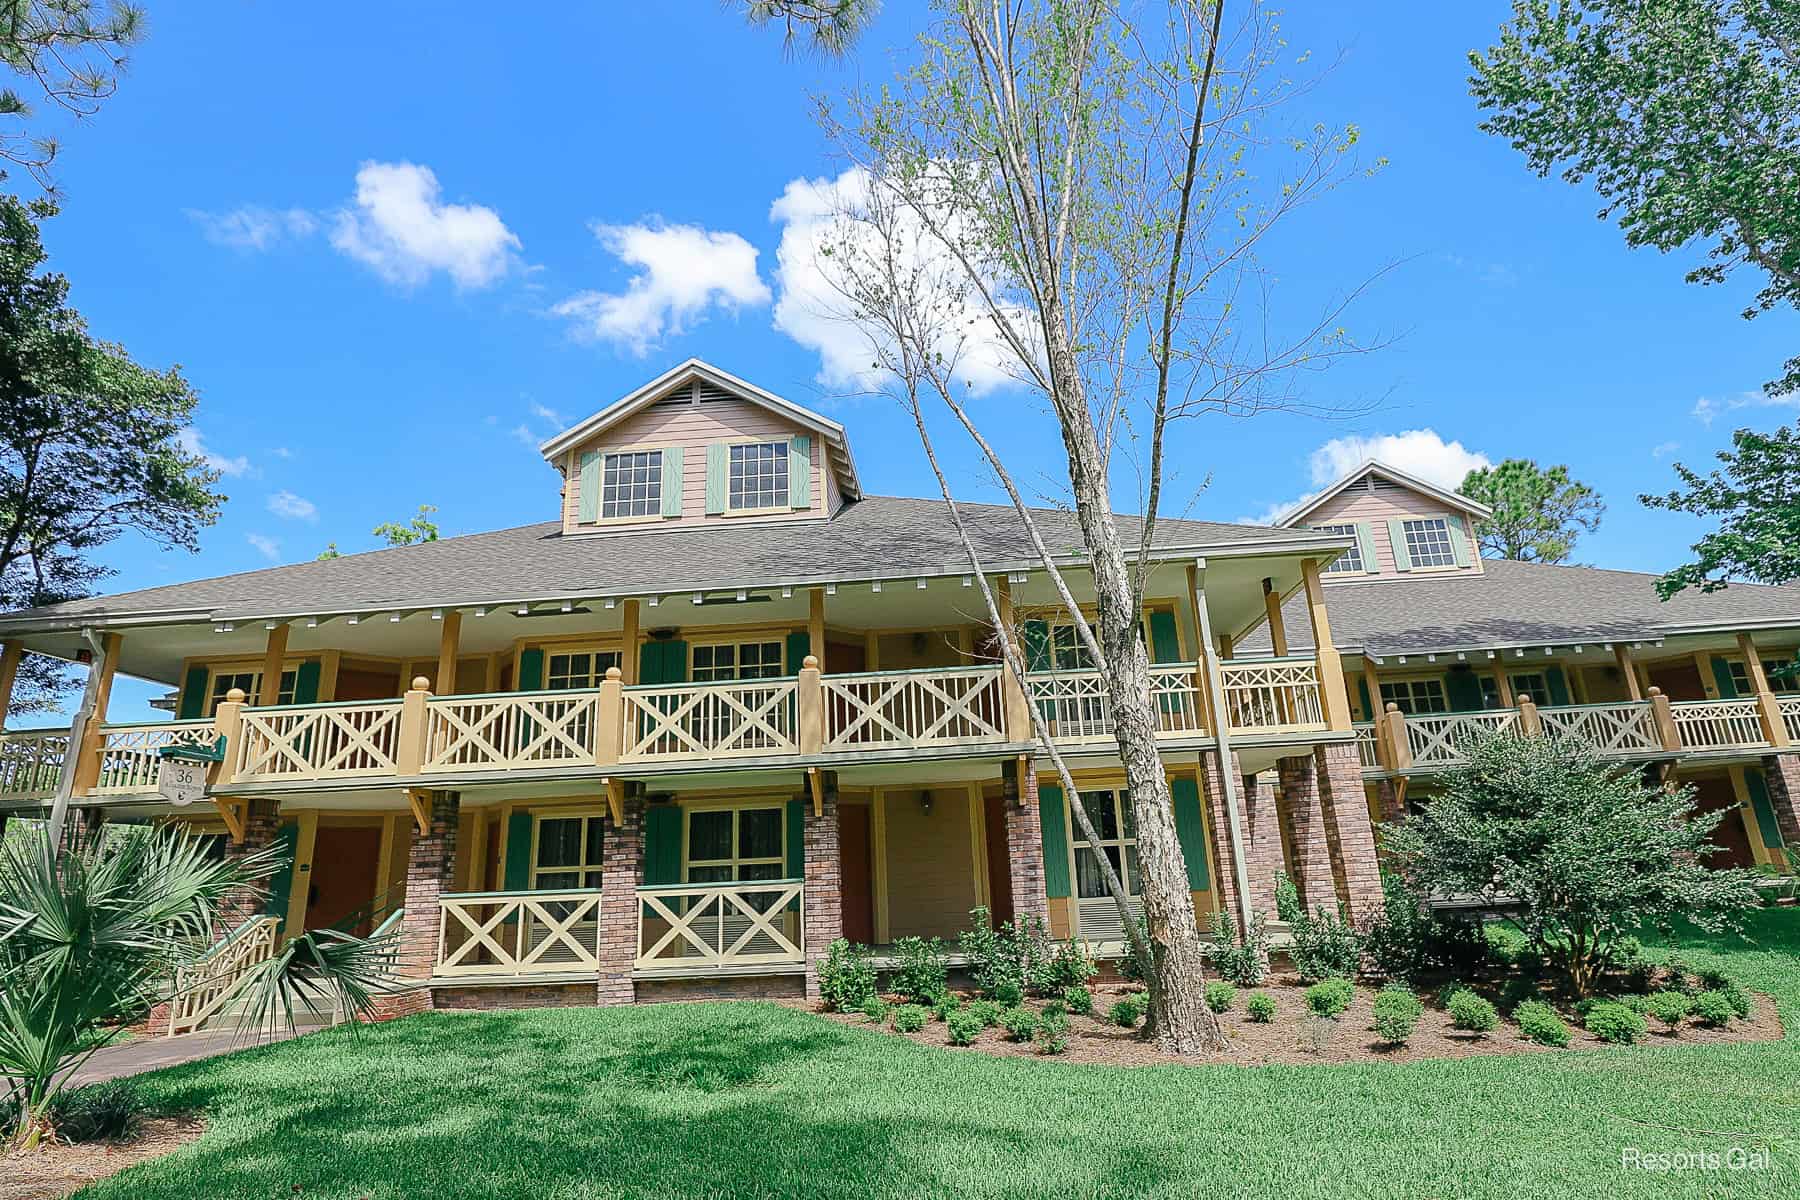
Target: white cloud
point(545, 413)
point(1706, 408)
point(1420, 452)
point(253, 227)
point(268, 547)
point(683, 270)
point(820, 230)
point(293, 508)
point(400, 227)
point(1664, 449)
point(282, 452)
point(526, 438)
point(190, 442)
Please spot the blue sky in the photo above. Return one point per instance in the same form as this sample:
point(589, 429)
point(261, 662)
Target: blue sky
point(394, 248)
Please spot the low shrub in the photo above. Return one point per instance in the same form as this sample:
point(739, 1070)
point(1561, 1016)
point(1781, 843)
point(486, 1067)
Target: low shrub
point(1019, 1022)
point(945, 1005)
point(1738, 998)
point(1471, 1013)
point(96, 1111)
point(874, 1009)
point(1516, 991)
point(1242, 957)
point(1052, 1033)
point(1068, 966)
point(1671, 1008)
point(1397, 1013)
point(1325, 945)
point(1330, 997)
point(1078, 1000)
point(923, 973)
point(910, 1018)
point(1009, 994)
point(965, 1026)
point(1611, 1021)
point(1638, 1003)
point(1220, 996)
point(994, 954)
point(846, 979)
point(1539, 1022)
point(1260, 1008)
point(1019, 954)
point(1713, 1009)
point(1127, 1012)
point(987, 1012)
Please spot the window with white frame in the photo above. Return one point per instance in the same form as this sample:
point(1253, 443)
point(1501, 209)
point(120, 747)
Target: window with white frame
point(631, 484)
point(1774, 670)
point(223, 680)
point(1428, 542)
point(568, 853)
point(737, 660)
point(1067, 651)
point(733, 845)
point(759, 476)
point(573, 669)
point(1415, 695)
point(1350, 560)
point(1110, 812)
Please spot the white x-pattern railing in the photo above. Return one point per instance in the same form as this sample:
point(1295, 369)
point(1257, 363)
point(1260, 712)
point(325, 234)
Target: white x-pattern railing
point(129, 754)
point(1790, 715)
point(1077, 708)
point(721, 924)
point(1272, 693)
point(1437, 739)
point(710, 720)
point(1608, 728)
point(31, 763)
point(204, 987)
point(935, 707)
point(319, 741)
point(519, 933)
point(1368, 745)
point(509, 731)
point(1717, 724)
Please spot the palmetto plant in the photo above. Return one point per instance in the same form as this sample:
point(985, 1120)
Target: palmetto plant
point(96, 934)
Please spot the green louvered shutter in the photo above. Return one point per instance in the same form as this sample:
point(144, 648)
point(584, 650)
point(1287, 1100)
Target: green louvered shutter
point(1191, 829)
point(1558, 685)
point(799, 645)
point(662, 662)
point(718, 477)
point(1397, 539)
point(531, 670)
point(796, 839)
point(1037, 645)
point(1463, 690)
point(1459, 541)
point(1165, 643)
point(1765, 811)
point(589, 489)
point(193, 694)
point(281, 884)
point(1055, 824)
point(1722, 677)
point(675, 661)
point(662, 844)
point(800, 471)
point(672, 481)
point(1365, 546)
point(1368, 706)
point(516, 873)
point(306, 682)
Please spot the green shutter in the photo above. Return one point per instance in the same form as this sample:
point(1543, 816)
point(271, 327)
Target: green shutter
point(1191, 829)
point(193, 694)
point(718, 477)
point(672, 481)
point(1557, 685)
point(1365, 546)
point(796, 839)
point(1765, 811)
point(516, 875)
point(1459, 541)
point(306, 683)
point(799, 645)
point(662, 844)
point(675, 661)
point(531, 670)
point(1368, 706)
point(1463, 690)
point(1722, 676)
point(281, 884)
point(589, 487)
point(1054, 821)
point(1397, 539)
point(1037, 645)
point(1165, 643)
point(800, 471)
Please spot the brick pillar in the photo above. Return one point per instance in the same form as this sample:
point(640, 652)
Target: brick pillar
point(1262, 841)
point(1348, 833)
point(261, 820)
point(1315, 877)
point(1782, 772)
point(430, 872)
point(1389, 801)
point(1025, 848)
point(623, 871)
point(824, 909)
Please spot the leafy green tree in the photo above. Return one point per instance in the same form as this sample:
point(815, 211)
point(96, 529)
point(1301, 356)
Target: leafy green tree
point(90, 445)
point(420, 529)
point(1684, 114)
point(1757, 500)
point(829, 27)
point(69, 52)
point(1588, 850)
point(1538, 511)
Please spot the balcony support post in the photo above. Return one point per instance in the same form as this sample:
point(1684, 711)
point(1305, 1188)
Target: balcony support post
point(1633, 687)
point(815, 625)
point(628, 639)
point(273, 653)
point(1228, 781)
point(809, 708)
point(1393, 724)
point(449, 643)
point(410, 759)
point(1530, 723)
point(1017, 704)
point(9, 675)
point(1663, 715)
point(1333, 693)
point(609, 720)
point(87, 742)
point(1768, 709)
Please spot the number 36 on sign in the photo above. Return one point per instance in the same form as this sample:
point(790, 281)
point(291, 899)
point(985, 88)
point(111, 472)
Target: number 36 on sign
point(181, 782)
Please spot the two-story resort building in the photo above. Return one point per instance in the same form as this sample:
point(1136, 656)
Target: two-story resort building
point(726, 708)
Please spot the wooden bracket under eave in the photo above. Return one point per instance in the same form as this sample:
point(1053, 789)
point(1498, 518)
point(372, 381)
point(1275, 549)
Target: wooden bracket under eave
point(231, 810)
point(1400, 782)
point(615, 799)
point(815, 780)
point(419, 800)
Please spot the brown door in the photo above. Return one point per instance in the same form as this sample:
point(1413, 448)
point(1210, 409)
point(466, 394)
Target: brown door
point(1730, 836)
point(1679, 680)
point(843, 658)
point(998, 862)
point(344, 869)
point(854, 873)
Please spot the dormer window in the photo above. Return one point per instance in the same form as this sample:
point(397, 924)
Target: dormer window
point(759, 476)
point(1428, 543)
point(1351, 560)
point(631, 485)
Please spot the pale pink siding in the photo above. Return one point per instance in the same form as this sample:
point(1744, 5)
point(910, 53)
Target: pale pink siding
point(694, 427)
point(1356, 504)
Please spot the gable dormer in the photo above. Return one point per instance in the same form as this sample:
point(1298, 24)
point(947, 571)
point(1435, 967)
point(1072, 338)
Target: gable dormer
point(699, 445)
point(1405, 528)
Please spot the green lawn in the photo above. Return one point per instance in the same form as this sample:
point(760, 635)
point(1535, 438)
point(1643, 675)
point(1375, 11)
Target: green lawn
point(754, 1100)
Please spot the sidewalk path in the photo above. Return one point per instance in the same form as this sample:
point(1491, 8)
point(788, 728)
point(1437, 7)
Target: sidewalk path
point(153, 1053)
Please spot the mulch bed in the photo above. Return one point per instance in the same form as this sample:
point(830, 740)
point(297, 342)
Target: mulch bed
point(56, 1169)
point(1351, 1040)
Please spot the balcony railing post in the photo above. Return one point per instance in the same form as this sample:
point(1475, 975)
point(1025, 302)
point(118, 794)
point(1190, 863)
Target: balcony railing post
point(809, 708)
point(1774, 726)
point(1663, 714)
point(410, 758)
point(1399, 747)
point(609, 736)
point(1531, 725)
point(228, 723)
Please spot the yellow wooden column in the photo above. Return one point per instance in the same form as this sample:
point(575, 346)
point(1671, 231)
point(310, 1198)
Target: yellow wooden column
point(878, 838)
point(300, 888)
point(1277, 626)
point(1767, 707)
point(1331, 667)
point(273, 654)
point(978, 842)
point(815, 626)
point(1627, 668)
point(449, 640)
point(9, 675)
point(628, 641)
point(87, 766)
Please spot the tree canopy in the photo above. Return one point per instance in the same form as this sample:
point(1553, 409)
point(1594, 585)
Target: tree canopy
point(420, 529)
point(70, 53)
point(1539, 512)
point(1756, 497)
point(1684, 114)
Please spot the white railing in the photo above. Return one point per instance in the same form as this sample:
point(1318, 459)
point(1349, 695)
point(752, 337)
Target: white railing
point(519, 933)
point(31, 763)
point(1368, 745)
point(513, 730)
point(1790, 715)
point(1076, 707)
point(1436, 739)
point(204, 987)
point(1717, 724)
point(710, 720)
point(934, 707)
point(129, 758)
point(721, 924)
point(1272, 693)
point(319, 741)
point(1608, 728)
